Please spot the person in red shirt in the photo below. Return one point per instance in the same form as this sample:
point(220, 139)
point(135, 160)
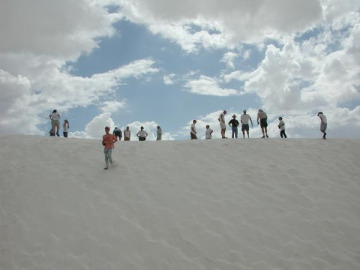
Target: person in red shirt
point(108, 143)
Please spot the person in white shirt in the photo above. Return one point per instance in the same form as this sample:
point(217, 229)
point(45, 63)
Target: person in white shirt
point(127, 134)
point(323, 123)
point(281, 126)
point(208, 132)
point(244, 119)
point(142, 134)
point(222, 124)
point(55, 123)
point(193, 131)
point(66, 127)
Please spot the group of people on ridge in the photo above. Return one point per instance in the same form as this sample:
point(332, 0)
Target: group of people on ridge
point(245, 121)
point(142, 134)
point(108, 139)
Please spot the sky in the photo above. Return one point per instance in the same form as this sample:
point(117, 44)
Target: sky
point(155, 62)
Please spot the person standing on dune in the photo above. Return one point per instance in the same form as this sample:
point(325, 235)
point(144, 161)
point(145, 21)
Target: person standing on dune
point(323, 124)
point(108, 143)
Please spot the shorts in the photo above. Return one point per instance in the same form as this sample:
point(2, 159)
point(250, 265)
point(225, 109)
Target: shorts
point(222, 125)
point(193, 136)
point(55, 123)
point(323, 127)
point(245, 127)
point(263, 123)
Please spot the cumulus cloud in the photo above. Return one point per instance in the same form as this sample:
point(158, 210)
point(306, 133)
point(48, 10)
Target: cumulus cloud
point(228, 58)
point(208, 86)
point(169, 79)
point(210, 24)
point(112, 106)
point(63, 29)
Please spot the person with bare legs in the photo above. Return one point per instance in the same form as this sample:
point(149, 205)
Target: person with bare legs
point(263, 123)
point(222, 124)
point(55, 123)
point(244, 119)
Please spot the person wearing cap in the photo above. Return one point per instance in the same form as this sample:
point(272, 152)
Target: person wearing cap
point(158, 133)
point(323, 124)
point(193, 131)
point(263, 122)
point(142, 134)
point(208, 132)
point(222, 124)
point(245, 118)
point(281, 126)
point(127, 134)
point(108, 143)
point(233, 123)
point(55, 123)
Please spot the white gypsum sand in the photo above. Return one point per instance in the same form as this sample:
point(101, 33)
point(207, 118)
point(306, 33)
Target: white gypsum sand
point(180, 205)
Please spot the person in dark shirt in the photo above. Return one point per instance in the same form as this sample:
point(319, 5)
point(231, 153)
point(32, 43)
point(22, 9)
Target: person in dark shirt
point(233, 123)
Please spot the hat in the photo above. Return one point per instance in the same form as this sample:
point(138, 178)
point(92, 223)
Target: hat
point(234, 116)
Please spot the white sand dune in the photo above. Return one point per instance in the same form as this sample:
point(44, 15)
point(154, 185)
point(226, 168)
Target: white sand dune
point(180, 205)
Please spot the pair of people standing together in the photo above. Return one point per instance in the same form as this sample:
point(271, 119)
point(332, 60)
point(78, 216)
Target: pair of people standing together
point(55, 124)
point(244, 119)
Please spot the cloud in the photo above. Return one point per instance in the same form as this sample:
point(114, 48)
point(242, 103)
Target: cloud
point(208, 86)
point(95, 129)
point(228, 58)
point(112, 106)
point(210, 24)
point(169, 79)
point(301, 76)
point(63, 29)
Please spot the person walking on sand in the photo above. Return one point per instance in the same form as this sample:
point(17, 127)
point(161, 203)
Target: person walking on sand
point(282, 128)
point(158, 133)
point(127, 134)
point(208, 132)
point(55, 123)
point(142, 134)
point(193, 131)
point(263, 122)
point(117, 132)
point(66, 127)
point(222, 124)
point(108, 143)
point(233, 123)
point(323, 124)
point(244, 119)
